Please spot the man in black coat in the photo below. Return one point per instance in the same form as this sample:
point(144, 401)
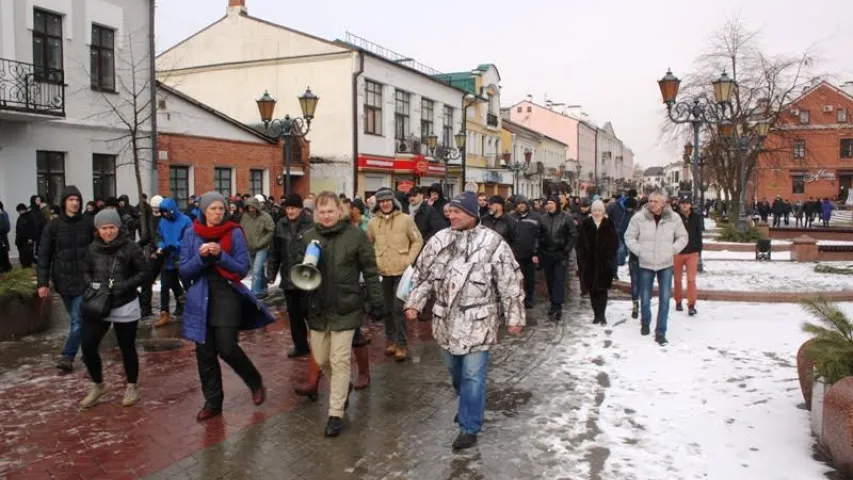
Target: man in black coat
point(26, 236)
point(429, 221)
point(559, 234)
point(62, 258)
point(499, 221)
point(528, 230)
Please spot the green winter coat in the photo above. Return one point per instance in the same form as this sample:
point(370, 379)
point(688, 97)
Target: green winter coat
point(338, 304)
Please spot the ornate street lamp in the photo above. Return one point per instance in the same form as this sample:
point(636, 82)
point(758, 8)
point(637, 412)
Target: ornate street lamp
point(446, 153)
point(288, 127)
point(516, 167)
point(723, 88)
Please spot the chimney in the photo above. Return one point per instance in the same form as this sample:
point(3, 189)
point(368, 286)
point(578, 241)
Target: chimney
point(237, 7)
point(847, 87)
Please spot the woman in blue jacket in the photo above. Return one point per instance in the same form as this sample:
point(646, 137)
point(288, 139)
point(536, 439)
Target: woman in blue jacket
point(214, 260)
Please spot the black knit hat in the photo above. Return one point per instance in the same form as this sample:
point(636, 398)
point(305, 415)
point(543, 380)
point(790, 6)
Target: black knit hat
point(293, 200)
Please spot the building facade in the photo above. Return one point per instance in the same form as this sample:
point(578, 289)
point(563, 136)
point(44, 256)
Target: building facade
point(65, 70)
point(552, 153)
point(556, 125)
point(373, 111)
point(201, 149)
point(518, 142)
point(809, 151)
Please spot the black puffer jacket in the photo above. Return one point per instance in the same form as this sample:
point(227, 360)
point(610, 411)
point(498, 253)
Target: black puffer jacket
point(288, 248)
point(63, 249)
point(558, 236)
point(527, 235)
point(429, 221)
point(129, 272)
point(504, 225)
point(693, 225)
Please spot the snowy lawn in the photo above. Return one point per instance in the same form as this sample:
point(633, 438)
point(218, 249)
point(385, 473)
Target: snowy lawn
point(767, 277)
point(721, 401)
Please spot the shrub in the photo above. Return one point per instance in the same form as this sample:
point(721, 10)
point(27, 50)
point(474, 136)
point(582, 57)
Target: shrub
point(19, 281)
point(730, 233)
point(833, 270)
point(832, 347)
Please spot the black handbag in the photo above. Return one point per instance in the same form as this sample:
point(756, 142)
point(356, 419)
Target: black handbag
point(97, 301)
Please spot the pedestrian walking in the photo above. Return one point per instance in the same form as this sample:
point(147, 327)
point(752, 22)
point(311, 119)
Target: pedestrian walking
point(214, 259)
point(5, 246)
point(476, 282)
point(148, 242)
point(688, 258)
point(598, 243)
point(115, 264)
point(499, 221)
point(26, 236)
point(173, 224)
point(337, 306)
point(63, 248)
point(654, 235)
point(259, 228)
point(558, 239)
point(526, 246)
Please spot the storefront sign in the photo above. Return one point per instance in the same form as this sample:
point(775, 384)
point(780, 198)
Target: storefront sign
point(405, 185)
point(417, 165)
point(821, 174)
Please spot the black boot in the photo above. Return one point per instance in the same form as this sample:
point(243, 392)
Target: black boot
point(691, 310)
point(644, 330)
point(661, 339)
point(334, 427)
point(678, 307)
point(464, 440)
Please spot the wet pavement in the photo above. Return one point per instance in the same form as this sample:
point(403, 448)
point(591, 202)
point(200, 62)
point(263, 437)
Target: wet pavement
point(540, 421)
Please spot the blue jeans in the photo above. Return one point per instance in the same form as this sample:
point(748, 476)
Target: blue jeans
point(634, 268)
point(259, 275)
point(72, 306)
point(647, 279)
point(468, 374)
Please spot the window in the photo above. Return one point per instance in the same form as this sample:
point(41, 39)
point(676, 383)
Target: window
point(447, 138)
point(373, 108)
point(841, 115)
point(104, 175)
point(256, 182)
point(798, 184)
point(427, 117)
point(804, 116)
point(222, 181)
point(47, 46)
point(846, 148)
point(102, 52)
point(799, 149)
point(50, 175)
point(401, 114)
point(518, 110)
point(529, 109)
point(179, 185)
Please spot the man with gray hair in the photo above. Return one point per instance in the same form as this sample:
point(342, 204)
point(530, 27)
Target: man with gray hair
point(655, 234)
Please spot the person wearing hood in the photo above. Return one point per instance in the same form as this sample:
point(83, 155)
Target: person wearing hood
point(148, 242)
point(62, 259)
point(258, 226)
point(26, 232)
point(428, 220)
point(398, 242)
point(214, 258)
point(115, 263)
point(526, 248)
point(170, 231)
point(129, 217)
point(559, 234)
point(436, 197)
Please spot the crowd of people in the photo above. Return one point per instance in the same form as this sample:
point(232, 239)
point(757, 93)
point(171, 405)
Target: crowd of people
point(473, 261)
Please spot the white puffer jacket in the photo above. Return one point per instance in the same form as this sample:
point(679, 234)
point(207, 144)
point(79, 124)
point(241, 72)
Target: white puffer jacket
point(655, 244)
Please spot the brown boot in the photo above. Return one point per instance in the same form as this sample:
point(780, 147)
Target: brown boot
point(362, 360)
point(401, 354)
point(312, 385)
point(390, 350)
point(164, 320)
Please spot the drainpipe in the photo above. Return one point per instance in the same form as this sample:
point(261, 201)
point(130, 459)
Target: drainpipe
point(355, 131)
point(152, 80)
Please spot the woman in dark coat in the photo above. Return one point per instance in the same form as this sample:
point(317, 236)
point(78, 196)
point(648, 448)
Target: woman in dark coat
point(115, 263)
point(597, 245)
point(214, 260)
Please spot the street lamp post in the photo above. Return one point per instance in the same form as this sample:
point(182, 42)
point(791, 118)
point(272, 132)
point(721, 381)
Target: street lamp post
point(742, 141)
point(446, 153)
point(517, 167)
point(288, 127)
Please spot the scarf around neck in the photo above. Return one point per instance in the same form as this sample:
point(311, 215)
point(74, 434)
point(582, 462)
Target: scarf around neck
point(220, 234)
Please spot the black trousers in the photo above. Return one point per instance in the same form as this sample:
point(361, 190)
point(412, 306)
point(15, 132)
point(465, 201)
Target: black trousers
point(5, 264)
point(91, 335)
point(25, 255)
point(222, 342)
point(146, 294)
point(169, 280)
point(297, 311)
point(528, 269)
point(598, 299)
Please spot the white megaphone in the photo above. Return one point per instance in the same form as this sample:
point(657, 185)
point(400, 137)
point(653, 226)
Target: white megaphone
point(306, 276)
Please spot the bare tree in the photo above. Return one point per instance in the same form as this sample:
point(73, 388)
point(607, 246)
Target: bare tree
point(766, 84)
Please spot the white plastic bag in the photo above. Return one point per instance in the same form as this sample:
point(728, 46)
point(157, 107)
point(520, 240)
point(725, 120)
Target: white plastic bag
point(405, 285)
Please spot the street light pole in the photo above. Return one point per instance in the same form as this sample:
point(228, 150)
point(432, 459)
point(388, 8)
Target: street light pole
point(467, 100)
point(445, 153)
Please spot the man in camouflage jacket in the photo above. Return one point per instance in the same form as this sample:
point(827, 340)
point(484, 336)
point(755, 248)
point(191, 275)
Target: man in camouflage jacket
point(476, 282)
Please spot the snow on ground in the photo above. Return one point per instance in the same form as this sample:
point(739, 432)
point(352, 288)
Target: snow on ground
point(767, 277)
point(719, 402)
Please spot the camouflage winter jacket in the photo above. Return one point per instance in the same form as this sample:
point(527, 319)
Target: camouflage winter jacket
point(476, 282)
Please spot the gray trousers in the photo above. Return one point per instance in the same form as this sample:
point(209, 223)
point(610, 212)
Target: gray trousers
point(395, 323)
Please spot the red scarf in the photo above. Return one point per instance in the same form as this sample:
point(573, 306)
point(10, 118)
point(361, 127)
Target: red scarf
point(220, 234)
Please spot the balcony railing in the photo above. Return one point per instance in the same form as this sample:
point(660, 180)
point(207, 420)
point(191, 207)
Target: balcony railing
point(30, 89)
point(492, 120)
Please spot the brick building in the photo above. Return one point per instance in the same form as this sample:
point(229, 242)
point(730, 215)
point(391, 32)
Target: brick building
point(201, 149)
point(809, 152)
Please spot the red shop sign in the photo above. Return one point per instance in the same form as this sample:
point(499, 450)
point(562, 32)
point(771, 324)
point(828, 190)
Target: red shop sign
point(405, 185)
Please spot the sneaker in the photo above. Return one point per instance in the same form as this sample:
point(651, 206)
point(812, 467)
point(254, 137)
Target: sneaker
point(661, 339)
point(95, 393)
point(464, 440)
point(644, 330)
point(691, 310)
point(635, 309)
point(334, 426)
point(131, 395)
point(65, 365)
point(679, 307)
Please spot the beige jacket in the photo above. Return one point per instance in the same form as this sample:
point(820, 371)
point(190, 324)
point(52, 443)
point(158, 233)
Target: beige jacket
point(476, 283)
point(397, 241)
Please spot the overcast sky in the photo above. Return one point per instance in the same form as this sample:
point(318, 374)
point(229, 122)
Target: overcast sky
point(605, 55)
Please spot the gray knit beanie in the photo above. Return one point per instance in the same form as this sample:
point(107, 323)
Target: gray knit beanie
point(107, 216)
point(209, 198)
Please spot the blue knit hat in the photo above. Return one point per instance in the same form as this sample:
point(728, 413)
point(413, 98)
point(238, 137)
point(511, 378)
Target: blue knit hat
point(467, 201)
